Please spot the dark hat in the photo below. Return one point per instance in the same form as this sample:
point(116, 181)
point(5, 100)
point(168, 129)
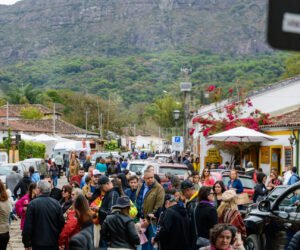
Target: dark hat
point(122, 202)
point(186, 184)
point(103, 180)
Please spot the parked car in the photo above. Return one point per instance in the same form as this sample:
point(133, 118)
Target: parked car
point(272, 224)
point(104, 155)
point(139, 166)
point(163, 157)
point(6, 169)
point(34, 162)
point(181, 170)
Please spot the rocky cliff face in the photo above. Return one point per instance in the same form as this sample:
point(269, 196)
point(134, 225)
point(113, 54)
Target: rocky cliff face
point(33, 29)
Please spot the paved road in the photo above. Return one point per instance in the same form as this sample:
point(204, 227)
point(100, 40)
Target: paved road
point(15, 242)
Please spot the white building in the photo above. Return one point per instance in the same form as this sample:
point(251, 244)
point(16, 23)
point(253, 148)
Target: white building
point(280, 98)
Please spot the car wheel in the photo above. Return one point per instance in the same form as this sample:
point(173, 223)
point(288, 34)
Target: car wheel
point(252, 242)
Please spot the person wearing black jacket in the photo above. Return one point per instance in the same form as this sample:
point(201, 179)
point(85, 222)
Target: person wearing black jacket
point(44, 221)
point(173, 229)
point(23, 185)
point(85, 238)
point(205, 215)
point(109, 199)
point(260, 189)
point(118, 229)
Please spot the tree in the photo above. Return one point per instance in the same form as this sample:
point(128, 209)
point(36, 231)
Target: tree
point(161, 111)
point(292, 66)
point(31, 113)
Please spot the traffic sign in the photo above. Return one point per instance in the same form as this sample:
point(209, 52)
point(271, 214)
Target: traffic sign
point(177, 143)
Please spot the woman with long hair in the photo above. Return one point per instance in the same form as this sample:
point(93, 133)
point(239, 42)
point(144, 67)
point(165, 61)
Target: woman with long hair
point(260, 189)
point(71, 226)
point(219, 189)
point(21, 205)
point(84, 239)
point(228, 212)
point(273, 180)
point(74, 165)
point(204, 216)
point(66, 200)
point(5, 209)
point(206, 178)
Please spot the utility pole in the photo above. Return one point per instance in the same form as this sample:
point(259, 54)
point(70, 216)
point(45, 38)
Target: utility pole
point(186, 88)
point(54, 119)
point(101, 125)
point(99, 121)
point(7, 114)
point(108, 111)
point(86, 121)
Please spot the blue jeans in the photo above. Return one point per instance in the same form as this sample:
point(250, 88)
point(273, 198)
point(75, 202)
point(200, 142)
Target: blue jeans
point(54, 178)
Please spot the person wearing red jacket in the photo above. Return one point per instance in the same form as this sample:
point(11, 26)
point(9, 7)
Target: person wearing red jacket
point(78, 177)
point(71, 226)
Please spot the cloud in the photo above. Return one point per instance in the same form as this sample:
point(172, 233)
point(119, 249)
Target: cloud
point(8, 2)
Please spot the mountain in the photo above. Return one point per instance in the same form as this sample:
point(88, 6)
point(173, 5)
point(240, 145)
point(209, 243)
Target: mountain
point(33, 29)
point(135, 48)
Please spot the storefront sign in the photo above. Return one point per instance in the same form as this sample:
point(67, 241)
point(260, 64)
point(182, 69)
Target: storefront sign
point(265, 154)
point(213, 156)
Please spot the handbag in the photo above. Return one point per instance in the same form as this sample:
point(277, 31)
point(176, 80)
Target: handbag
point(200, 241)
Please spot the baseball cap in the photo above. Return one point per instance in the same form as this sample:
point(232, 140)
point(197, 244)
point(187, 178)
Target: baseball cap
point(96, 172)
point(186, 184)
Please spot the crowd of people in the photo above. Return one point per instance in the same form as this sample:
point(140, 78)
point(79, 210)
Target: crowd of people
point(104, 206)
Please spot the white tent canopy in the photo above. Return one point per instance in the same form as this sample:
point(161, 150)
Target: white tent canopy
point(27, 137)
point(44, 137)
point(241, 134)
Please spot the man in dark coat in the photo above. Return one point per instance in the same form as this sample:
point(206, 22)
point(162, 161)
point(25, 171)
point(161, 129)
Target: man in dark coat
point(173, 232)
point(44, 221)
point(23, 185)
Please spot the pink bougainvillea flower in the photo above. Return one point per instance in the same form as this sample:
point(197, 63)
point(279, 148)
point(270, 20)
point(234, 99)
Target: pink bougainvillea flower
point(249, 103)
point(192, 130)
point(211, 88)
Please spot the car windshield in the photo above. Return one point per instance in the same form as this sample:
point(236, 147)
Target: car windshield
point(136, 167)
point(5, 170)
point(276, 192)
point(246, 182)
point(174, 171)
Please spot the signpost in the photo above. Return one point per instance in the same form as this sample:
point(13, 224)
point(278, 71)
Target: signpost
point(177, 143)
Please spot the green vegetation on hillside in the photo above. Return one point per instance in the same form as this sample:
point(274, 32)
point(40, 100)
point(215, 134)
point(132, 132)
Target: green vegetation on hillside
point(141, 78)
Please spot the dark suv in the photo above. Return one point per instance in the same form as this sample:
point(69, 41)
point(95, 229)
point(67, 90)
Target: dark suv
point(275, 221)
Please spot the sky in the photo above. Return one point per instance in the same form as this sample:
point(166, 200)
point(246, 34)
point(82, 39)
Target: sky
point(8, 1)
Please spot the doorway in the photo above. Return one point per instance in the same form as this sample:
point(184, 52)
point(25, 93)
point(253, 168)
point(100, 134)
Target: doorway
point(276, 159)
